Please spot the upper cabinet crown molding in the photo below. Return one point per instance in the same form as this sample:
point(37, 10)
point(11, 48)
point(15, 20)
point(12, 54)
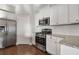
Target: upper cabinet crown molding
point(7, 7)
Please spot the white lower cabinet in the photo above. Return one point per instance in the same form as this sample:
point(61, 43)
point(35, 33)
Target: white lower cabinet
point(52, 45)
point(67, 50)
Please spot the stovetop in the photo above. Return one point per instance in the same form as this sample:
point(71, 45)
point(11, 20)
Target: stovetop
point(41, 38)
point(40, 34)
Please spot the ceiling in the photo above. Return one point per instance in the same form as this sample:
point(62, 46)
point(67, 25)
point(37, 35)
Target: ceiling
point(23, 9)
point(28, 8)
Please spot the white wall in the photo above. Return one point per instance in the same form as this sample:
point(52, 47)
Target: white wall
point(64, 30)
point(32, 20)
point(67, 30)
point(23, 30)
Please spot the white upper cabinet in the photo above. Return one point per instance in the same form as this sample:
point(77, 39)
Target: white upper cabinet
point(62, 14)
point(7, 15)
point(74, 13)
point(7, 7)
point(3, 14)
point(37, 18)
point(7, 11)
point(11, 16)
point(59, 14)
point(53, 15)
point(47, 11)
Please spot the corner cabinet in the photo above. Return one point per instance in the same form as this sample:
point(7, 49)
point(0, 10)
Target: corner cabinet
point(52, 44)
point(74, 13)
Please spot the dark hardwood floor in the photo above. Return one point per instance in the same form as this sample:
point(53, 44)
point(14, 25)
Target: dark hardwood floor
point(21, 50)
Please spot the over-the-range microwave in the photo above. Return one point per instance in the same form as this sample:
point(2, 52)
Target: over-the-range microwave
point(45, 21)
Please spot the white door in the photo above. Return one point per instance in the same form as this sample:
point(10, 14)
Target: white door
point(74, 13)
point(62, 14)
point(51, 44)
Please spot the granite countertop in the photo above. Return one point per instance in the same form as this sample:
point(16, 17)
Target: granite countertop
point(72, 41)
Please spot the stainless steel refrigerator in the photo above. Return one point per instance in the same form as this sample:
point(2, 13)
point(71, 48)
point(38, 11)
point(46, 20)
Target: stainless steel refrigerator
point(7, 33)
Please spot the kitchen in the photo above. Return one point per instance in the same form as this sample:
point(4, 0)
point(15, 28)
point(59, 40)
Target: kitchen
point(47, 29)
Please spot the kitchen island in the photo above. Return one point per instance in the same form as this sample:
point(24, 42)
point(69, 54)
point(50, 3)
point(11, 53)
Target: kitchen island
point(69, 45)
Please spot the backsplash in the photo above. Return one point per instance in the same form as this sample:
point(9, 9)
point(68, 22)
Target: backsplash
point(67, 30)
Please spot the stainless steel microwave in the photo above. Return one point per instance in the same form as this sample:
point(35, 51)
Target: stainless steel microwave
point(44, 21)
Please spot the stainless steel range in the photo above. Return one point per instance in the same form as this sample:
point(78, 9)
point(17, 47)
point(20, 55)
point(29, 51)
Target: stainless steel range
point(41, 39)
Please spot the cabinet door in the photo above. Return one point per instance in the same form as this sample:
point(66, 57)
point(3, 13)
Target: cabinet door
point(62, 14)
point(51, 45)
point(67, 50)
point(3, 14)
point(38, 17)
point(74, 13)
point(11, 16)
point(58, 44)
point(53, 15)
